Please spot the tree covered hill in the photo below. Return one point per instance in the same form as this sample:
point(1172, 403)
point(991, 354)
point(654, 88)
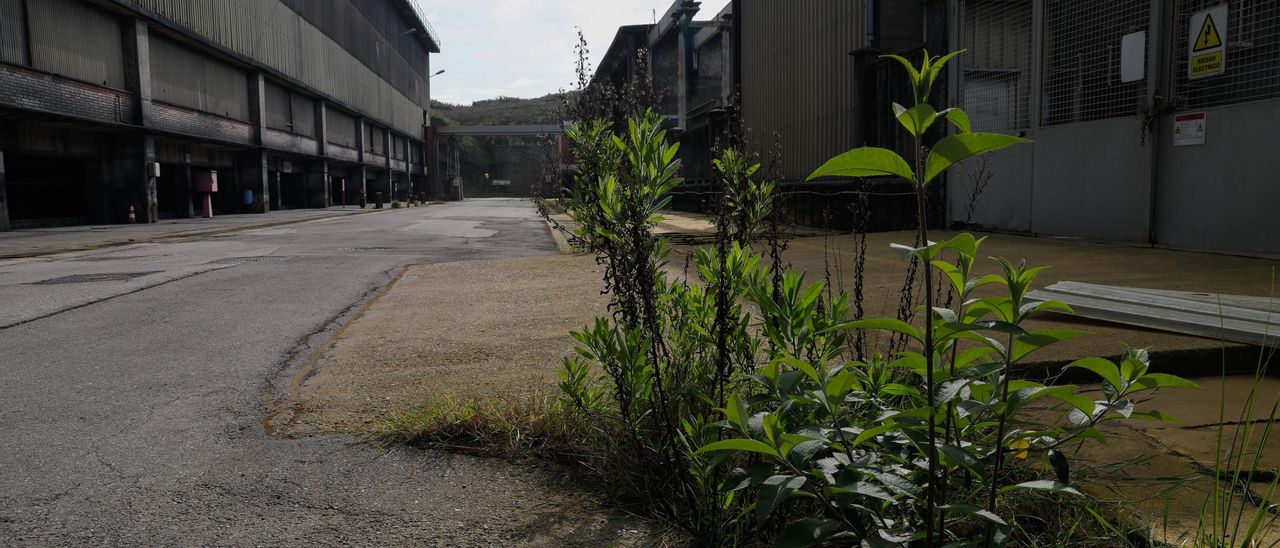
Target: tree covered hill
point(500, 111)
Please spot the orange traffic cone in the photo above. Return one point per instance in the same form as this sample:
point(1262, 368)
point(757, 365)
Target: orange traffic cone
point(133, 219)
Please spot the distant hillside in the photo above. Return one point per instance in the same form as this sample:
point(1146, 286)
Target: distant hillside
point(500, 111)
point(516, 159)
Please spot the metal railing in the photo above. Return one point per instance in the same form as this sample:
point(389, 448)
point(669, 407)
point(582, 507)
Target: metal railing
point(426, 25)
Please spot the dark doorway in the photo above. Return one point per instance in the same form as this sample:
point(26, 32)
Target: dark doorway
point(173, 192)
point(337, 190)
point(291, 192)
point(48, 191)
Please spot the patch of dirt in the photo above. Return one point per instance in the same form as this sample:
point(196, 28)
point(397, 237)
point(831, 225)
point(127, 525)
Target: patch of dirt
point(472, 329)
point(461, 330)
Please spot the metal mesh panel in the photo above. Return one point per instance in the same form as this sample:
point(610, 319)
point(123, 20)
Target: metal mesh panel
point(1253, 54)
point(1082, 59)
point(995, 81)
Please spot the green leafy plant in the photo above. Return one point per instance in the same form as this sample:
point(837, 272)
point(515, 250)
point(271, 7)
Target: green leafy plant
point(876, 455)
point(731, 400)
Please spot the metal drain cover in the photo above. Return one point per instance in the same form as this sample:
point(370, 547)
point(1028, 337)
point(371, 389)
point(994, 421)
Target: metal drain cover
point(242, 260)
point(103, 277)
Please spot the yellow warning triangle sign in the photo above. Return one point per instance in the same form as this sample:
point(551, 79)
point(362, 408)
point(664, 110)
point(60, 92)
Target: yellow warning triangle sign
point(1209, 37)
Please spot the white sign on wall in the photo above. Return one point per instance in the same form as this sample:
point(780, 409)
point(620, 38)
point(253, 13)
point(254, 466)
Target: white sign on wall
point(1207, 43)
point(1189, 129)
point(1133, 57)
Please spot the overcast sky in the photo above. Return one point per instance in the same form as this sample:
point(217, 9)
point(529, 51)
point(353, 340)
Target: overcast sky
point(524, 48)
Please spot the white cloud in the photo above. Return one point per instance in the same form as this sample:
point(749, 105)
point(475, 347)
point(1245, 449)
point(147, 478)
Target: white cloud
point(524, 48)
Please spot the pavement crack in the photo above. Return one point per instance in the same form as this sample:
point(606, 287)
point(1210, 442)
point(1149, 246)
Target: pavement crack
point(104, 299)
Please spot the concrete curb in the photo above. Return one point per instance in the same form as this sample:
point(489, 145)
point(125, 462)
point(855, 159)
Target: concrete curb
point(562, 243)
point(181, 235)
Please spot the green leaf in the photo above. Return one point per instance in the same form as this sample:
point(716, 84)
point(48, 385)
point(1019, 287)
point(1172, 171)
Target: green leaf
point(806, 532)
point(1102, 367)
point(911, 68)
point(739, 444)
point(1162, 380)
point(954, 149)
point(775, 490)
point(961, 457)
point(931, 74)
point(888, 324)
point(1042, 485)
point(866, 162)
point(957, 118)
point(862, 488)
point(804, 451)
point(1085, 405)
point(1038, 339)
point(803, 367)
point(873, 432)
point(736, 412)
point(916, 119)
point(971, 510)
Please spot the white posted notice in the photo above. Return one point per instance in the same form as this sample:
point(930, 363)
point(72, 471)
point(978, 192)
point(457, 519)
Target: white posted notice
point(1189, 129)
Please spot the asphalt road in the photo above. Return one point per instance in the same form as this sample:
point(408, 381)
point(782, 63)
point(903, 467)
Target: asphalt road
point(131, 409)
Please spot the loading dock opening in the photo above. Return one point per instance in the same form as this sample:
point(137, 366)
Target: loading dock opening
point(46, 191)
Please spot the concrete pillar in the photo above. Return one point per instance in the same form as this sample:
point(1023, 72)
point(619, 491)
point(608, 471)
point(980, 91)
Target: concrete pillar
point(137, 66)
point(131, 160)
point(251, 174)
point(322, 129)
point(360, 140)
point(355, 185)
point(258, 106)
point(131, 181)
point(316, 182)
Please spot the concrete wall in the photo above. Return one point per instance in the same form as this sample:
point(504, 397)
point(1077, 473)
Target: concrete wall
point(1224, 194)
point(1091, 180)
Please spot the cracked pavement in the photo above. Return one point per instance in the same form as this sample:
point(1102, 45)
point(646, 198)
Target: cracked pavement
point(133, 409)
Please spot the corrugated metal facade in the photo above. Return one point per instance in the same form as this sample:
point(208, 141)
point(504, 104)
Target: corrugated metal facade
point(276, 107)
point(341, 128)
point(275, 35)
point(798, 77)
point(290, 111)
point(378, 35)
point(76, 40)
point(184, 77)
point(13, 33)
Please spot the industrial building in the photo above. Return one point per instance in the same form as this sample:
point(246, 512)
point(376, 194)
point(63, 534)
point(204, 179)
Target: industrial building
point(806, 73)
point(121, 110)
point(1136, 138)
point(1150, 126)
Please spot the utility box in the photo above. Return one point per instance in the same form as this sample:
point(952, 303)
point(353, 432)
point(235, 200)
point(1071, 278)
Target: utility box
point(205, 181)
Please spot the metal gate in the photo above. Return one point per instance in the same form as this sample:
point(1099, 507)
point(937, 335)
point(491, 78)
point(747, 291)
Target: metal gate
point(1099, 85)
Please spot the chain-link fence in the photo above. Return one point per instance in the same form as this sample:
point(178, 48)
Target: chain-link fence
point(1082, 59)
point(995, 81)
point(1252, 55)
